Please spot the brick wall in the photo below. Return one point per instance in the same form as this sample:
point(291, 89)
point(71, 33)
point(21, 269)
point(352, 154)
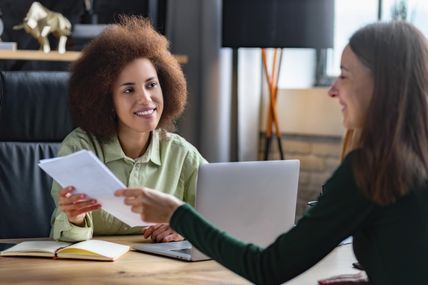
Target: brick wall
point(319, 157)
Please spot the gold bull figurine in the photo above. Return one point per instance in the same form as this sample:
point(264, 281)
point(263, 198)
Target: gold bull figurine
point(40, 22)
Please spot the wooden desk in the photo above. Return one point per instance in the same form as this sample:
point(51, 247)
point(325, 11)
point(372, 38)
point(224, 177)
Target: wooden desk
point(139, 268)
point(54, 55)
point(338, 262)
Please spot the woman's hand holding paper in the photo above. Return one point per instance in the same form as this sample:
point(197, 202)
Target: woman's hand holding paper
point(76, 205)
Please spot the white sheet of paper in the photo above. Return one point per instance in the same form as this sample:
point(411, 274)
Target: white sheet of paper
point(89, 175)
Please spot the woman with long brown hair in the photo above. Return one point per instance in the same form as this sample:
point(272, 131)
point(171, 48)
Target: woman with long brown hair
point(378, 194)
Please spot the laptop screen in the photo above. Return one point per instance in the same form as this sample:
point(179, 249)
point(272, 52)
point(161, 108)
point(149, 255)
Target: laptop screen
point(253, 201)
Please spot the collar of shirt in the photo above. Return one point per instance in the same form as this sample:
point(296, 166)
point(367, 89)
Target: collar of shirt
point(113, 151)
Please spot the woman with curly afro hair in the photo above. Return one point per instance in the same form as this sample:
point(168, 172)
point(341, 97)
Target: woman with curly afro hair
point(126, 90)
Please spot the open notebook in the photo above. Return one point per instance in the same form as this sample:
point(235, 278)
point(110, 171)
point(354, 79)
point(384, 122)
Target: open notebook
point(90, 249)
point(254, 201)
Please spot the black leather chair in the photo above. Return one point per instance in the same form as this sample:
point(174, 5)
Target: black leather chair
point(34, 119)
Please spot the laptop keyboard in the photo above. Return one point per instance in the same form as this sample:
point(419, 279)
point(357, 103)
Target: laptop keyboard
point(176, 246)
point(183, 250)
point(176, 249)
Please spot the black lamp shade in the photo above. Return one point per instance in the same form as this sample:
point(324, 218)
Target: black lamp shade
point(278, 23)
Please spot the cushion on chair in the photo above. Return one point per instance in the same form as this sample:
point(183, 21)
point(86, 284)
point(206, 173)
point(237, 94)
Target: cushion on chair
point(34, 119)
point(34, 106)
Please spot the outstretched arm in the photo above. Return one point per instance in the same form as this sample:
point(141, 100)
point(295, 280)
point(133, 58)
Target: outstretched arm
point(340, 211)
point(153, 206)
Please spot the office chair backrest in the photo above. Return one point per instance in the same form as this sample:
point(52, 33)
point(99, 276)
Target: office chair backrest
point(34, 119)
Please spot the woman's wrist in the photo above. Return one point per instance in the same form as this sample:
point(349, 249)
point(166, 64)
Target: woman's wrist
point(174, 205)
point(80, 221)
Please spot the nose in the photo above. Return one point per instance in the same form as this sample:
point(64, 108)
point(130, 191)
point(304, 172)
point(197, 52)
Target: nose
point(144, 96)
point(333, 92)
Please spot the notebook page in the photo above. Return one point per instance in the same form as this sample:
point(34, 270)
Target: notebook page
point(38, 246)
point(99, 247)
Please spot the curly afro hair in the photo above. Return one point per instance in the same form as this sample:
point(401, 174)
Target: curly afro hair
point(102, 60)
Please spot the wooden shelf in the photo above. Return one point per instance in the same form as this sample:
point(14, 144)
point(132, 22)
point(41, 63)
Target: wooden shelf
point(39, 55)
point(54, 55)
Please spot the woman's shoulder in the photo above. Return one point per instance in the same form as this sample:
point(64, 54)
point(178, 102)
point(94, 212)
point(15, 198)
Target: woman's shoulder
point(352, 155)
point(178, 143)
point(346, 165)
point(77, 133)
point(343, 175)
point(175, 140)
point(76, 140)
point(342, 188)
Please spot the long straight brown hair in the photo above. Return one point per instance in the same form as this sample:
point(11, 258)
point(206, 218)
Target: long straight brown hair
point(394, 137)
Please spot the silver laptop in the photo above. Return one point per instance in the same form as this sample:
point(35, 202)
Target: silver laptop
point(253, 201)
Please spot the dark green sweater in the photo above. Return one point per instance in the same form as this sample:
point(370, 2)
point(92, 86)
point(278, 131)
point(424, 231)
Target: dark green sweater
point(391, 242)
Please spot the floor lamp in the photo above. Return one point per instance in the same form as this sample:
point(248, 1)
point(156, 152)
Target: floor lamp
point(272, 119)
point(273, 24)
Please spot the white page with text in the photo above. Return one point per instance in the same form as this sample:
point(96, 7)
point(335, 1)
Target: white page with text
point(89, 175)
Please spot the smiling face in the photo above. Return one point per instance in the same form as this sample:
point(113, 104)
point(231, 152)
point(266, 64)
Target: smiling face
point(137, 98)
point(354, 89)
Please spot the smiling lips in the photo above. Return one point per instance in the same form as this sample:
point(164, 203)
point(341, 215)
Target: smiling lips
point(146, 112)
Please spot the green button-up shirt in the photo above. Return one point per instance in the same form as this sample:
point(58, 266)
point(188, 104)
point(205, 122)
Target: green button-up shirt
point(170, 165)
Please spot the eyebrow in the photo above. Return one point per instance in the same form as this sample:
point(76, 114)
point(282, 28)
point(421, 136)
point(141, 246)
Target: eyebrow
point(132, 83)
point(127, 84)
point(151, 78)
point(344, 68)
